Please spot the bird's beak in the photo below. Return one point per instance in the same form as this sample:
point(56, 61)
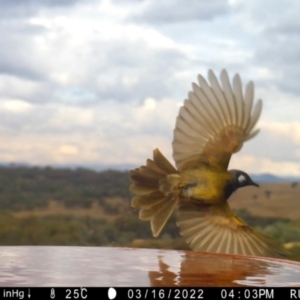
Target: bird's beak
point(254, 183)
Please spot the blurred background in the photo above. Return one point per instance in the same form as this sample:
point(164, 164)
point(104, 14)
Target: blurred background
point(88, 88)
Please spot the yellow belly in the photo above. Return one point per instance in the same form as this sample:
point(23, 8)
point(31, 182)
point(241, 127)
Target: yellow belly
point(210, 185)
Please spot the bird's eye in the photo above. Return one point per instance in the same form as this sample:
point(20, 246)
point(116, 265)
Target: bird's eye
point(241, 178)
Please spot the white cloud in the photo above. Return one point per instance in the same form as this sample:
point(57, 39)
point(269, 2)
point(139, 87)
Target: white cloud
point(102, 81)
point(281, 130)
point(14, 105)
point(172, 11)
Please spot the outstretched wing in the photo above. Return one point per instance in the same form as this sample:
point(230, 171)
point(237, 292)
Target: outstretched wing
point(214, 122)
point(214, 228)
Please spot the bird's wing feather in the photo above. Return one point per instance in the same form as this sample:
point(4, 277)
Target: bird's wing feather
point(215, 228)
point(214, 122)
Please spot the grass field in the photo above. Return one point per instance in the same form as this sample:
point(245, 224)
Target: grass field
point(269, 200)
point(68, 211)
point(279, 200)
point(48, 206)
point(58, 209)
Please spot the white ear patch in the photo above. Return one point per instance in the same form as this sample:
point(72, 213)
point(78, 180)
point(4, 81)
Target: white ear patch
point(241, 178)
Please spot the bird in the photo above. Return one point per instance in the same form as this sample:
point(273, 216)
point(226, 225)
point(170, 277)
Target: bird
point(214, 122)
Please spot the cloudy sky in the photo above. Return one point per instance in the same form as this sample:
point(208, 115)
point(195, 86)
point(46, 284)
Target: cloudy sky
point(91, 82)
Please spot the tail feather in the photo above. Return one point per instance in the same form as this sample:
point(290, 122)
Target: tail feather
point(155, 205)
point(138, 178)
point(158, 214)
point(148, 213)
point(151, 166)
point(163, 163)
point(160, 219)
point(147, 200)
point(148, 173)
point(140, 189)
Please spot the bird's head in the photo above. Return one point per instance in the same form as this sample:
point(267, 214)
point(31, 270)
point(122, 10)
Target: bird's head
point(241, 179)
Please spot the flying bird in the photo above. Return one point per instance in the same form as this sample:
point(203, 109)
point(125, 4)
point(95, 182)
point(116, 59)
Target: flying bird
point(214, 122)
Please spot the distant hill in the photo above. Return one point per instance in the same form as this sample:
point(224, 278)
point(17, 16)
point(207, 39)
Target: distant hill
point(100, 167)
point(273, 178)
point(265, 177)
point(93, 167)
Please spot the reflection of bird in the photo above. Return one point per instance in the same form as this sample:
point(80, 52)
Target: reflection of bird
point(213, 123)
point(214, 270)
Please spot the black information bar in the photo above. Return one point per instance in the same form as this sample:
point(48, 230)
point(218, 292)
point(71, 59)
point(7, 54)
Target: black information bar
point(148, 293)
